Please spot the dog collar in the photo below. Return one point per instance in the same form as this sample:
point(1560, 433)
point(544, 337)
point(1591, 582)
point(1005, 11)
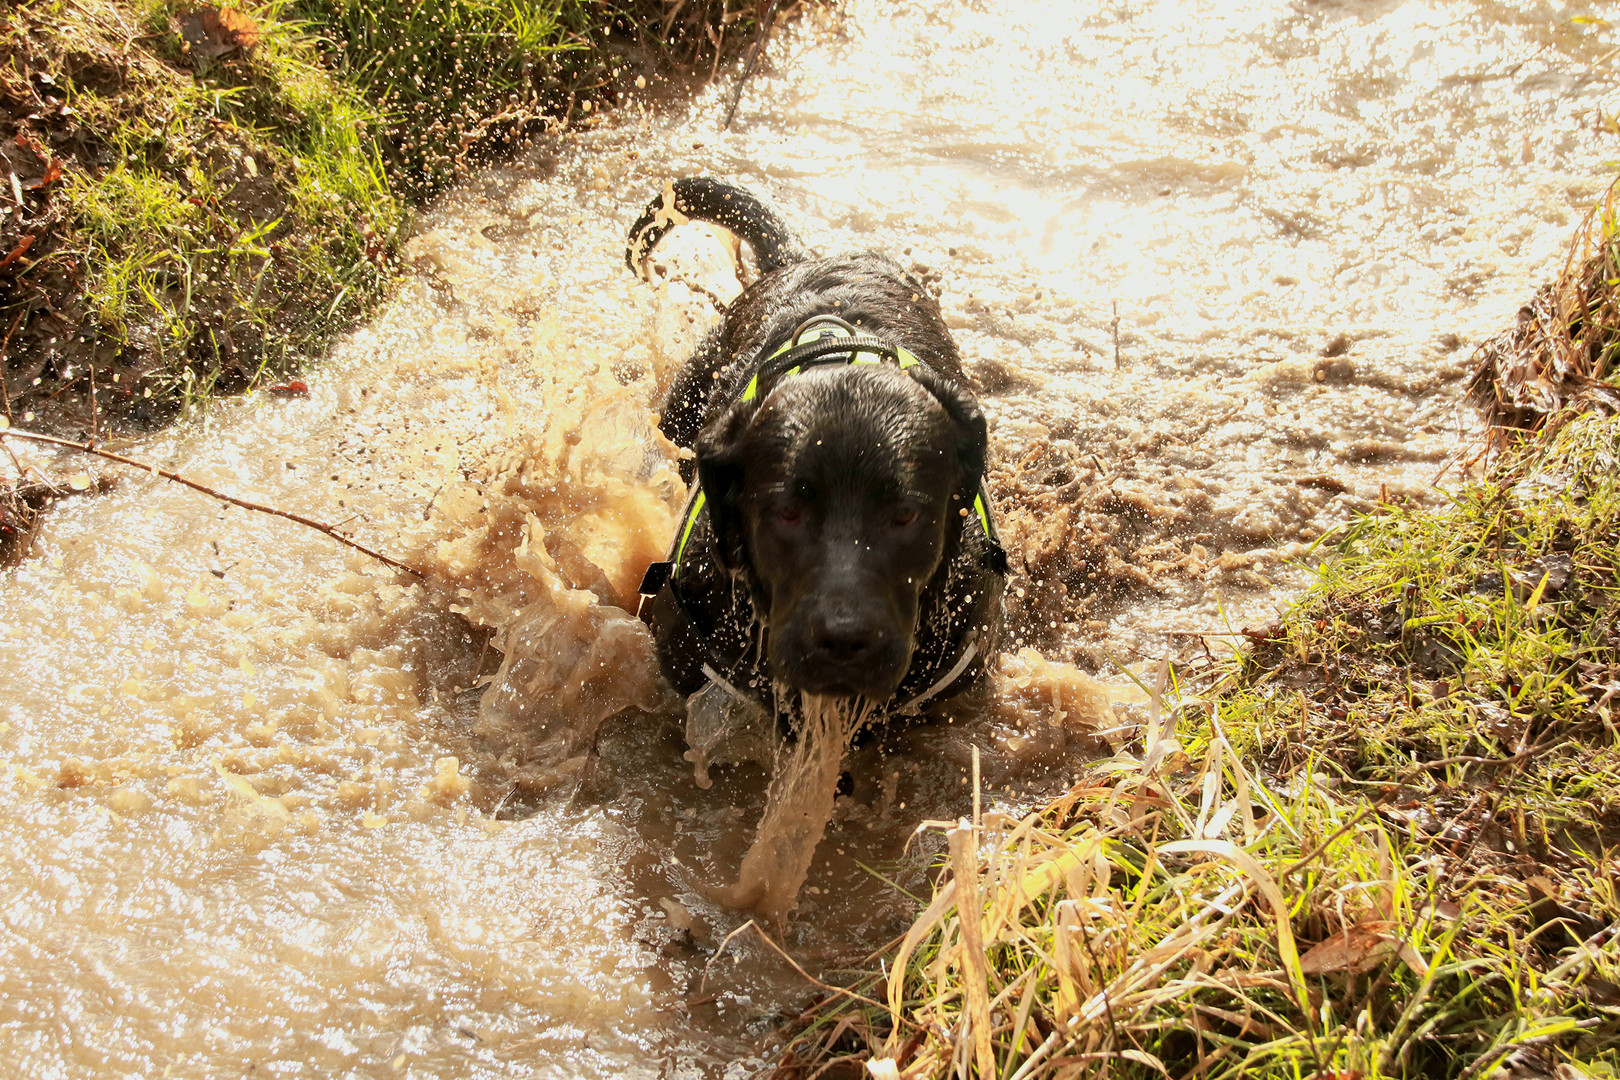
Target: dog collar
point(823, 339)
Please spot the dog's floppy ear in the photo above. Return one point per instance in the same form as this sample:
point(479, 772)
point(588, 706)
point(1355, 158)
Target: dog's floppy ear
point(720, 457)
point(973, 439)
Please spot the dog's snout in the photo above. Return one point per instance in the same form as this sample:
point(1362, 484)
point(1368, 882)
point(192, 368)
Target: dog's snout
point(844, 647)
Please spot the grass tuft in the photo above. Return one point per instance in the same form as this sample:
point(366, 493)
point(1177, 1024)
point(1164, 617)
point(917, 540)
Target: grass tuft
point(1564, 349)
point(454, 80)
point(1182, 913)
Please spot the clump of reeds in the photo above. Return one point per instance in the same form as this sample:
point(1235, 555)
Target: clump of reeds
point(1177, 918)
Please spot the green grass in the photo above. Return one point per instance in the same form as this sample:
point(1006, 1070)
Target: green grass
point(449, 77)
point(1196, 907)
point(216, 220)
point(459, 80)
point(1412, 649)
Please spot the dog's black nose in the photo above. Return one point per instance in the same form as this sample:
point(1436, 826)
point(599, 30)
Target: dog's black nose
point(845, 639)
point(842, 649)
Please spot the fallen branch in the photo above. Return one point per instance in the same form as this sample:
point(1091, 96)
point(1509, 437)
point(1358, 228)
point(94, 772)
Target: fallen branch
point(318, 526)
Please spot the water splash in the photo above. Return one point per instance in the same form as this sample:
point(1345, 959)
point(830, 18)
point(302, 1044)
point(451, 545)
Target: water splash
point(798, 806)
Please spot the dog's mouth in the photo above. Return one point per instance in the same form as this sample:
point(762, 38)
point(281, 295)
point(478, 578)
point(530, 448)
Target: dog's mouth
point(874, 678)
point(840, 689)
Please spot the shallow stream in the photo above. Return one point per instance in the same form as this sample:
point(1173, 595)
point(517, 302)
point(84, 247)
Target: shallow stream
point(267, 807)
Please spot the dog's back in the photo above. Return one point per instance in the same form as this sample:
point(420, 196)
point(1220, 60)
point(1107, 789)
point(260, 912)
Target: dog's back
point(866, 289)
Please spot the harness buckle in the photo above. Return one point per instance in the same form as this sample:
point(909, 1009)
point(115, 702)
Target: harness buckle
point(652, 582)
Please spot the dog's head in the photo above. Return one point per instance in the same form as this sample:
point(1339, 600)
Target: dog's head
point(837, 494)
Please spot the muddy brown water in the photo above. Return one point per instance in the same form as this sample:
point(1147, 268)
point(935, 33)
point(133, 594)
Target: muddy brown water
point(269, 809)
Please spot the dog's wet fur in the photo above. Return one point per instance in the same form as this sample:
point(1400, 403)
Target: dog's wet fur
point(839, 527)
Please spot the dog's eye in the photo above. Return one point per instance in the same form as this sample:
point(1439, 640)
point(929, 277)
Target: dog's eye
point(905, 515)
point(790, 516)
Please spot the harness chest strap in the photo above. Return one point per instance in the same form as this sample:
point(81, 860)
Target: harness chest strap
point(817, 344)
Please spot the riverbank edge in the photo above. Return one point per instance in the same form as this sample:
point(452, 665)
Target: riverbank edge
point(200, 198)
point(1379, 840)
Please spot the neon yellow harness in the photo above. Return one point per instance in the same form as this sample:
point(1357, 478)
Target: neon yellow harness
point(809, 334)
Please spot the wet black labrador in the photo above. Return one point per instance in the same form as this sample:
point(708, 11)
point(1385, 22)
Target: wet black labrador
point(839, 540)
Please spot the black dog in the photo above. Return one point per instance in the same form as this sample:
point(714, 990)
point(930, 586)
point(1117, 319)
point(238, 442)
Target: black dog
point(839, 540)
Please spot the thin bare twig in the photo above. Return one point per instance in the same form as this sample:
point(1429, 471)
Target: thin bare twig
point(1366, 812)
point(5, 348)
point(95, 415)
point(1113, 327)
point(22, 472)
point(1385, 796)
point(318, 526)
point(765, 25)
point(1522, 756)
point(719, 952)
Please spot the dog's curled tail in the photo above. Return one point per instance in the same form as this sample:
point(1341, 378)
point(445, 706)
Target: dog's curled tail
point(731, 206)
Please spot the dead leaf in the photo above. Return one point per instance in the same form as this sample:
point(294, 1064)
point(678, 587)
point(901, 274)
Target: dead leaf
point(218, 31)
point(1564, 926)
point(53, 173)
point(1602, 992)
point(18, 251)
point(1358, 949)
point(52, 168)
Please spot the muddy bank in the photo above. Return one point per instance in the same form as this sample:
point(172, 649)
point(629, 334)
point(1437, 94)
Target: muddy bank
point(1342, 828)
